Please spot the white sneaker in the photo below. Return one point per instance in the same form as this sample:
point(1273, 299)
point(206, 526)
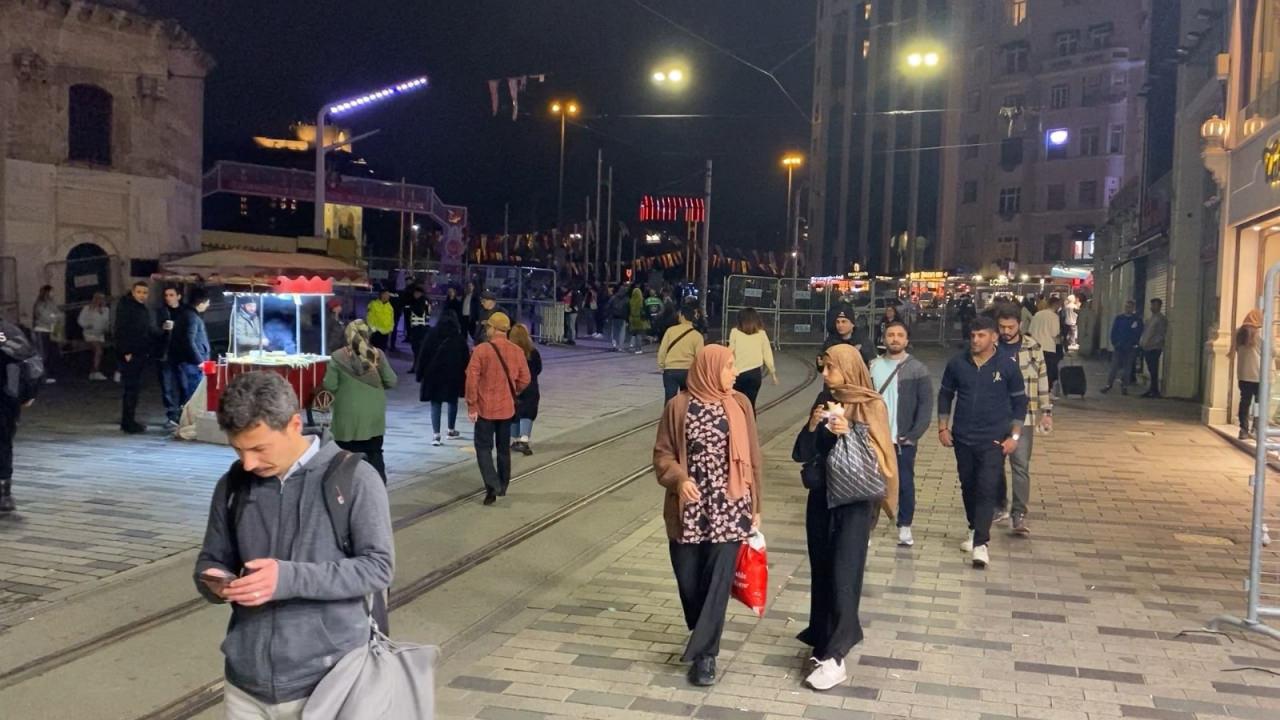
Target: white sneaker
point(827, 675)
point(981, 557)
point(967, 545)
point(904, 536)
point(436, 441)
point(50, 381)
point(97, 376)
point(999, 517)
point(116, 377)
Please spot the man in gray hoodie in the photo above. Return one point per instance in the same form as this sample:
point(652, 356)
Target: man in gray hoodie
point(297, 599)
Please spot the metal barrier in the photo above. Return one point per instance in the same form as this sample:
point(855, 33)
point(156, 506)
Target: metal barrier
point(802, 313)
point(1262, 586)
point(749, 291)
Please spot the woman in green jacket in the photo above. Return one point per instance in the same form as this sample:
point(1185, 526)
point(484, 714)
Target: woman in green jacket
point(638, 320)
point(358, 376)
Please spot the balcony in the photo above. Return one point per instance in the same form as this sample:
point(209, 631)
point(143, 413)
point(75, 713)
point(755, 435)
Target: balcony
point(1085, 59)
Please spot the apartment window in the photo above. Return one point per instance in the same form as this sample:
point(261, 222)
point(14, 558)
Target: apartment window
point(1010, 201)
point(1015, 100)
point(1100, 35)
point(967, 235)
point(1068, 42)
point(1016, 11)
point(1015, 58)
point(866, 11)
point(1055, 143)
point(89, 124)
point(1059, 96)
point(1119, 82)
point(973, 103)
point(1007, 247)
point(1115, 140)
point(1091, 90)
point(970, 193)
point(973, 146)
point(1010, 153)
point(1082, 249)
point(866, 48)
point(1088, 194)
point(1056, 198)
point(1052, 248)
point(1090, 141)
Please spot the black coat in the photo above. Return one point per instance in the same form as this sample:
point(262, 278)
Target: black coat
point(189, 341)
point(442, 366)
point(135, 331)
point(527, 400)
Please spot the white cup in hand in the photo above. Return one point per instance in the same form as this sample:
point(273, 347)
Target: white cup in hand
point(168, 324)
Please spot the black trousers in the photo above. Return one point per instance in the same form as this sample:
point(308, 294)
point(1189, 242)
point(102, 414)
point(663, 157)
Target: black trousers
point(980, 467)
point(1248, 393)
point(1051, 367)
point(372, 449)
point(379, 340)
point(131, 372)
point(1153, 369)
point(748, 383)
point(837, 539)
point(704, 578)
point(487, 434)
point(9, 412)
point(673, 382)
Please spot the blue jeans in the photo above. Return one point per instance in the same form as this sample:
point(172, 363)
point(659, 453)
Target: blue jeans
point(673, 382)
point(192, 375)
point(1122, 365)
point(435, 415)
point(172, 381)
point(906, 484)
point(618, 332)
point(522, 428)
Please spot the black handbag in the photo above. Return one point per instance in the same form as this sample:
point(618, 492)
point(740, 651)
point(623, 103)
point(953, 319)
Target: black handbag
point(852, 470)
point(813, 473)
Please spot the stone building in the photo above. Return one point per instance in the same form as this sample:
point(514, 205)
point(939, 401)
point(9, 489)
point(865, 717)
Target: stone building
point(101, 111)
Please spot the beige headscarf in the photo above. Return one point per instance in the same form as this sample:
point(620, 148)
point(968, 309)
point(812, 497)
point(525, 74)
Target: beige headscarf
point(1253, 318)
point(704, 386)
point(864, 405)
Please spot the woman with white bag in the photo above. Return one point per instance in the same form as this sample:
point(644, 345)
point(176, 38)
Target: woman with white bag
point(851, 472)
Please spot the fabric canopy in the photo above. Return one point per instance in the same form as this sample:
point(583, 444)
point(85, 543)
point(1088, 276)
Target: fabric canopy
point(264, 266)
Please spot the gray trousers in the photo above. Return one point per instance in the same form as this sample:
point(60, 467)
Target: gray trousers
point(1020, 461)
point(240, 705)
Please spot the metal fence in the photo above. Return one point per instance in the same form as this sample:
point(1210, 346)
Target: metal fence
point(1262, 586)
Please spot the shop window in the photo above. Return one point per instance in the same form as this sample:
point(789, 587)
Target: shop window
point(89, 124)
point(1056, 197)
point(1010, 201)
point(1068, 42)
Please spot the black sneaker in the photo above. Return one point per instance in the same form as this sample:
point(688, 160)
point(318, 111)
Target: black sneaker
point(702, 672)
point(524, 448)
point(134, 428)
point(454, 434)
point(1020, 525)
point(490, 498)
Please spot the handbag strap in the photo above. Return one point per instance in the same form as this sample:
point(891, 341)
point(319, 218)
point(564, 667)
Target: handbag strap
point(892, 375)
point(506, 373)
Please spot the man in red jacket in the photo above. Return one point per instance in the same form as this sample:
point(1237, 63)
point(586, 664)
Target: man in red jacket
point(497, 373)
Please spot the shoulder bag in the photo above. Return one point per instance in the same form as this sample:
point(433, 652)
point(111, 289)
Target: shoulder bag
point(505, 372)
point(853, 472)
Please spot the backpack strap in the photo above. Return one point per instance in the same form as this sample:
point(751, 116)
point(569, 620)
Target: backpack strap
point(237, 489)
point(339, 482)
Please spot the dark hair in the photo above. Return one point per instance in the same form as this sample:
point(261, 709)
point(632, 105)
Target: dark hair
point(197, 296)
point(1055, 301)
point(1244, 336)
point(172, 287)
point(255, 398)
point(449, 324)
point(749, 321)
point(1159, 302)
point(141, 283)
point(982, 322)
point(897, 324)
point(1008, 312)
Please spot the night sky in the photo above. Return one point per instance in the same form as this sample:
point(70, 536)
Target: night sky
point(278, 61)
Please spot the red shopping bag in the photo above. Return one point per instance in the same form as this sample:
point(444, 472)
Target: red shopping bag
point(751, 576)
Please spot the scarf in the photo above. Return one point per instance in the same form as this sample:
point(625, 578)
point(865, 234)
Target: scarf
point(864, 405)
point(357, 367)
point(1253, 318)
point(704, 385)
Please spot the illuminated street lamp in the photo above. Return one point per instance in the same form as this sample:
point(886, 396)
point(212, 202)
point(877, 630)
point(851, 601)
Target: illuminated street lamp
point(921, 58)
point(341, 107)
point(670, 78)
point(564, 109)
point(791, 161)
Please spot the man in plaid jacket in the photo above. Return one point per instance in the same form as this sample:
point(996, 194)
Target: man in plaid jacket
point(1035, 376)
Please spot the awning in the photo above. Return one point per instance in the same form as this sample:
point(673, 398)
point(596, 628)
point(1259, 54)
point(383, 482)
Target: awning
point(1070, 273)
point(1146, 247)
point(263, 267)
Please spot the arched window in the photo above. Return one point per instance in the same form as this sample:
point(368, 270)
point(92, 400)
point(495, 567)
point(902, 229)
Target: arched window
point(89, 125)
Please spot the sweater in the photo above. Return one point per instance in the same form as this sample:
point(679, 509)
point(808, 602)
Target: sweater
point(359, 401)
point(677, 350)
point(671, 457)
point(1154, 333)
point(489, 387)
point(912, 405)
point(1126, 331)
point(1045, 329)
point(317, 612)
point(751, 351)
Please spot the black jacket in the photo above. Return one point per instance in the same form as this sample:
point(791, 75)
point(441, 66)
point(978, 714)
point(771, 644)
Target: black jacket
point(135, 332)
point(189, 342)
point(442, 364)
point(859, 339)
point(528, 399)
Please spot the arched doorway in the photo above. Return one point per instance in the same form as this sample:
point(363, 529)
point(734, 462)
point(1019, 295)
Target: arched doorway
point(87, 272)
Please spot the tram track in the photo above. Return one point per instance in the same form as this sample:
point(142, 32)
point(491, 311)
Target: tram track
point(209, 695)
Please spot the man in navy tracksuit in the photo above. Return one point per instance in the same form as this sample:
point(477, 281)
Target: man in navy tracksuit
point(990, 404)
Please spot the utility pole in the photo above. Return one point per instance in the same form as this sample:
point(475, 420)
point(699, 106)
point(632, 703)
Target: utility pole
point(608, 227)
point(506, 229)
point(706, 243)
point(596, 224)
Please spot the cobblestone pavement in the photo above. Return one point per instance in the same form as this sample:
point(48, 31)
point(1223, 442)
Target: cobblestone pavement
point(1139, 518)
point(94, 502)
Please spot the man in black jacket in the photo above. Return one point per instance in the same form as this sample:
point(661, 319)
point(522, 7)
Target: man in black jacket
point(189, 344)
point(136, 335)
point(171, 380)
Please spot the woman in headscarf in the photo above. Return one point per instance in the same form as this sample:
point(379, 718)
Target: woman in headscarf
point(358, 375)
point(442, 371)
point(838, 536)
point(1248, 351)
point(707, 457)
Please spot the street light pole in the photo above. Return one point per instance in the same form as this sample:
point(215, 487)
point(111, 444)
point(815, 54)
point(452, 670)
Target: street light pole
point(560, 194)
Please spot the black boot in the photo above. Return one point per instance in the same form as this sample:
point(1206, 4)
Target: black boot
point(6, 497)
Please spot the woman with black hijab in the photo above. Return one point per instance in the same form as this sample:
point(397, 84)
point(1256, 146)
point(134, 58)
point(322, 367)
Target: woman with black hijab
point(442, 371)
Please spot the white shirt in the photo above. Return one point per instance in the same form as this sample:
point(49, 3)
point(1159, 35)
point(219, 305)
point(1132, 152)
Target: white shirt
point(1045, 329)
point(304, 459)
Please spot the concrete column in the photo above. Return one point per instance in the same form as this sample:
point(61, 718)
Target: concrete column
point(1238, 293)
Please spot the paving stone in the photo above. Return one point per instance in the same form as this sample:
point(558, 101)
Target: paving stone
point(589, 697)
point(662, 707)
point(481, 684)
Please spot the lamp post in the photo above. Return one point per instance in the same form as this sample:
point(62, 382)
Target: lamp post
point(923, 60)
point(338, 108)
point(564, 110)
point(790, 161)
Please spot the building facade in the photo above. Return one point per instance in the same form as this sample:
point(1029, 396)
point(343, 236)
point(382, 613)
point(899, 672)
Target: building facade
point(102, 141)
point(1048, 128)
point(1242, 150)
point(876, 164)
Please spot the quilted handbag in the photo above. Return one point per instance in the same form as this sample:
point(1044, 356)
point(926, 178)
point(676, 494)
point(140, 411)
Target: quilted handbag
point(853, 473)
